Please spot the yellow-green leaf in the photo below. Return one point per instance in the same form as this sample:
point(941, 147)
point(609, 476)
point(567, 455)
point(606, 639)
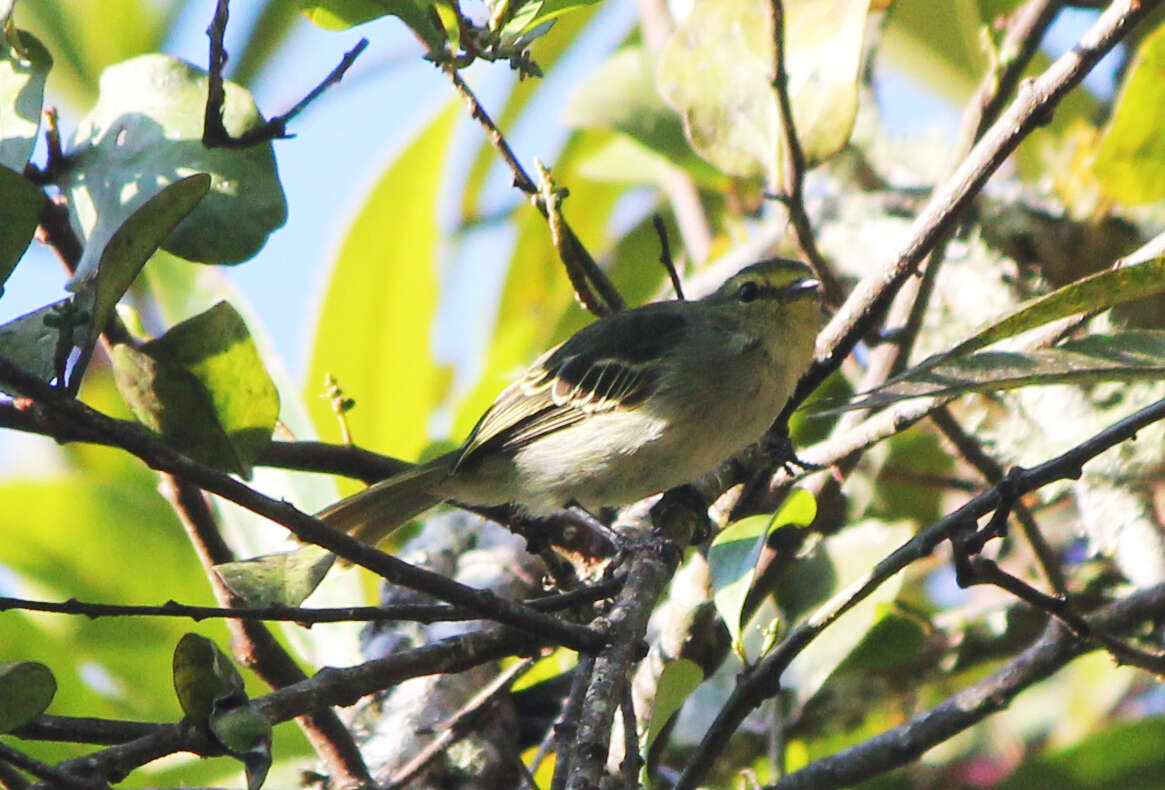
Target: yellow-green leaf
point(374, 332)
point(1130, 160)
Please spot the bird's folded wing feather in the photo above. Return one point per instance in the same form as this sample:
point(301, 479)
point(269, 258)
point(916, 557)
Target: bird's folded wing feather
point(602, 368)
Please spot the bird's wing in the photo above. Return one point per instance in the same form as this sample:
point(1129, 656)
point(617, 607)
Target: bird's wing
point(601, 368)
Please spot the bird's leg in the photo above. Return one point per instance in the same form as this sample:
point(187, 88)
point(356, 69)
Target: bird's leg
point(779, 448)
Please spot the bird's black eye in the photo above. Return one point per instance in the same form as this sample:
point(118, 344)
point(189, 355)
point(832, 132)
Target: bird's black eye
point(748, 291)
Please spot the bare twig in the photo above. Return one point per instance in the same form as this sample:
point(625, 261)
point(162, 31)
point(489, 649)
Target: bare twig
point(973, 452)
point(253, 643)
point(54, 775)
point(214, 133)
point(565, 727)
point(793, 168)
point(574, 254)
point(665, 256)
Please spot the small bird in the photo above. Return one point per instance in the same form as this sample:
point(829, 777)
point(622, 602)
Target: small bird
point(638, 402)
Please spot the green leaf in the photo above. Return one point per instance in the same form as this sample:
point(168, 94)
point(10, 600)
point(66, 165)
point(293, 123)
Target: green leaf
point(205, 679)
point(375, 326)
point(733, 555)
point(246, 734)
point(893, 640)
point(22, 81)
point(677, 681)
point(203, 387)
point(131, 245)
point(1130, 160)
point(1126, 356)
point(284, 578)
point(20, 207)
point(26, 689)
point(146, 132)
point(217, 348)
point(716, 71)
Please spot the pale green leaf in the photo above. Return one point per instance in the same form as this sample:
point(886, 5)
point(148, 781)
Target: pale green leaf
point(536, 13)
point(146, 132)
point(32, 342)
point(26, 689)
point(375, 326)
point(284, 578)
point(22, 81)
point(1126, 356)
point(1095, 292)
point(717, 72)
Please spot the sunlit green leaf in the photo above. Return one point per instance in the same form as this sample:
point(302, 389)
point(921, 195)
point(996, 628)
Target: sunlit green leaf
point(343, 14)
point(146, 132)
point(204, 678)
point(717, 71)
point(1130, 160)
point(204, 388)
point(733, 555)
point(374, 330)
point(22, 81)
point(216, 347)
point(26, 689)
point(20, 206)
point(535, 13)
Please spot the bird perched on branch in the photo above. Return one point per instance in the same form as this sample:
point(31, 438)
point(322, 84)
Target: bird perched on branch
point(638, 402)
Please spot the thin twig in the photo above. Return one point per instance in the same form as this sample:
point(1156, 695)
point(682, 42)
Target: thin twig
point(214, 132)
point(973, 452)
point(793, 167)
point(665, 256)
point(565, 727)
point(55, 776)
point(574, 254)
point(632, 760)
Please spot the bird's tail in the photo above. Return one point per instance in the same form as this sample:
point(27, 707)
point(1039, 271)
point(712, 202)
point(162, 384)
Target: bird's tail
point(374, 513)
point(289, 577)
